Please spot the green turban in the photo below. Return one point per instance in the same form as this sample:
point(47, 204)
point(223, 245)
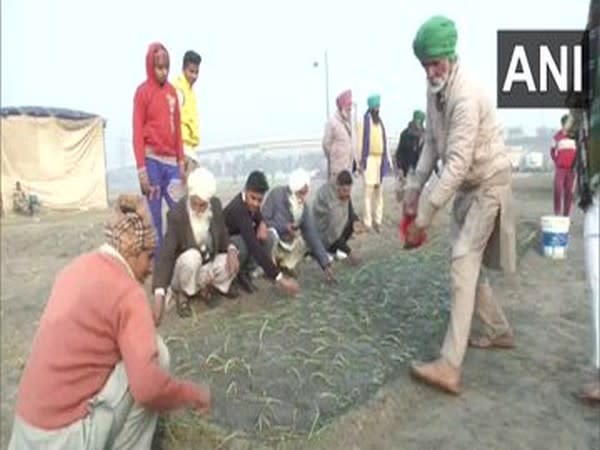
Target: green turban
point(374, 101)
point(436, 38)
point(419, 116)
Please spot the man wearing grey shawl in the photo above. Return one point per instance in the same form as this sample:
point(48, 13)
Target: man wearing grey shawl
point(291, 223)
point(335, 217)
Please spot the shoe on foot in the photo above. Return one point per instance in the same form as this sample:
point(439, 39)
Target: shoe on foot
point(232, 293)
point(183, 305)
point(170, 299)
point(245, 282)
point(340, 255)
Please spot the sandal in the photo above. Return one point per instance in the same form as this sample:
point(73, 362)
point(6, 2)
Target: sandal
point(183, 306)
point(505, 341)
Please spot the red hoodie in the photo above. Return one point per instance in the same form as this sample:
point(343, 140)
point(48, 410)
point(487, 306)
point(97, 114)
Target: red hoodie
point(156, 117)
point(563, 150)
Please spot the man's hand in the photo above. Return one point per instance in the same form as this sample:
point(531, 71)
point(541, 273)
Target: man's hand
point(201, 403)
point(262, 233)
point(158, 308)
point(152, 192)
point(329, 274)
point(411, 202)
point(292, 230)
point(289, 286)
point(210, 278)
point(233, 262)
point(353, 260)
point(414, 236)
point(358, 227)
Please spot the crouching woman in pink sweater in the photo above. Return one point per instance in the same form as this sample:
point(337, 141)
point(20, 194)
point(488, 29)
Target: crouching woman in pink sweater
point(97, 375)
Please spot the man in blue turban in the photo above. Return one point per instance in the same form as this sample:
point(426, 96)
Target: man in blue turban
point(375, 162)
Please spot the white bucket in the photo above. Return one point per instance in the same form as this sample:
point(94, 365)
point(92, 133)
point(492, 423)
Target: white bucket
point(555, 236)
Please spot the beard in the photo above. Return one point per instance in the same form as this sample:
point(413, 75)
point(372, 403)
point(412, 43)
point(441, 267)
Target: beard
point(436, 85)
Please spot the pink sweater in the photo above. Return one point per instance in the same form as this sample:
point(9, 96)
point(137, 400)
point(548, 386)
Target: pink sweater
point(97, 315)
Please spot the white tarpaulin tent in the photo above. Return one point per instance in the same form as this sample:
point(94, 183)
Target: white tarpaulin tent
point(58, 154)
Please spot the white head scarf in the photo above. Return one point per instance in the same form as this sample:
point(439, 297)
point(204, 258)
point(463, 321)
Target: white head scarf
point(201, 183)
point(298, 179)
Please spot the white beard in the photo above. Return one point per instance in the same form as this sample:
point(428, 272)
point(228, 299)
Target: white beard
point(297, 208)
point(437, 85)
point(200, 224)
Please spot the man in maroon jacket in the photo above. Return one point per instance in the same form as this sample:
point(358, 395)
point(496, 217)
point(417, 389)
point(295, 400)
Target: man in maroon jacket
point(563, 153)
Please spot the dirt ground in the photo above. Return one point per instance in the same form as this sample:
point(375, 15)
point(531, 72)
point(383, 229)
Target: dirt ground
point(518, 399)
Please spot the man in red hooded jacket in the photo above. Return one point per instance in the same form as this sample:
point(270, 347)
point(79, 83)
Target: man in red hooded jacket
point(157, 142)
point(563, 153)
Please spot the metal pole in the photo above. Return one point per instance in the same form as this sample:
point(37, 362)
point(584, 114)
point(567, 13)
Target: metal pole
point(326, 86)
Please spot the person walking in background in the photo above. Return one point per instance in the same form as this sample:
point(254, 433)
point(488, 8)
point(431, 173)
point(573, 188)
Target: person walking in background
point(337, 140)
point(157, 143)
point(190, 128)
point(411, 144)
point(375, 162)
point(563, 152)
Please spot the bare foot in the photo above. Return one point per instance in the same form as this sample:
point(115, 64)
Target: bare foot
point(590, 393)
point(439, 374)
point(505, 340)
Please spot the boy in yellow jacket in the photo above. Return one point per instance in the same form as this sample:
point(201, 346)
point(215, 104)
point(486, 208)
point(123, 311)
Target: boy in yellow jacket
point(190, 130)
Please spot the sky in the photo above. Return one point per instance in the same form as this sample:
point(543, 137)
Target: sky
point(257, 78)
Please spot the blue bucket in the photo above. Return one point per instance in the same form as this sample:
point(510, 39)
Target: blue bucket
point(555, 236)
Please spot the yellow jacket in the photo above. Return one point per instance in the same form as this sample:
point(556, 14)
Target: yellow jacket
point(190, 129)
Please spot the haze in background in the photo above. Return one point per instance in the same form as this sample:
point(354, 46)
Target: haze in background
point(257, 79)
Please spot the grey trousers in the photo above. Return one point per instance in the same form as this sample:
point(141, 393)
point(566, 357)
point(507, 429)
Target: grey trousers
point(115, 421)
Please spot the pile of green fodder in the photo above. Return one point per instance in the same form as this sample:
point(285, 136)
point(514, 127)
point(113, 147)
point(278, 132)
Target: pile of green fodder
point(291, 368)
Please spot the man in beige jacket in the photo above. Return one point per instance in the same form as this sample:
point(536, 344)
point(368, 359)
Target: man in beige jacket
point(337, 139)
point(463, 132)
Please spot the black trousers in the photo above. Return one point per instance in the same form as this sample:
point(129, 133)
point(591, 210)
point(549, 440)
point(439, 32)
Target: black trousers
point(342, 241)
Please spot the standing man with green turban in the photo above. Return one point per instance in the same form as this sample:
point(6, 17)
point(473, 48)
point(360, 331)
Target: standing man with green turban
point(375, 162)
point(462, 130)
